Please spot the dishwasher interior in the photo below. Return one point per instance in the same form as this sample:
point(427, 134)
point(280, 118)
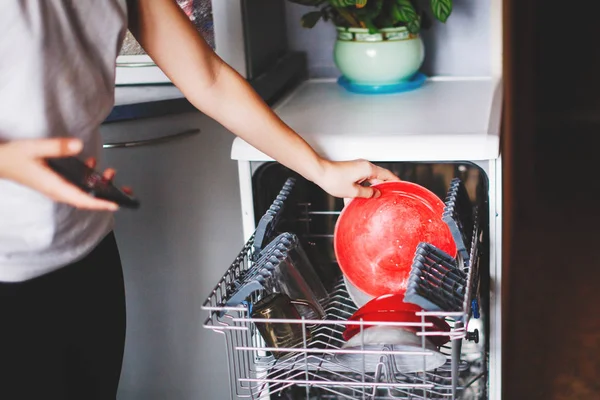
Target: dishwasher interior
point(315, 367)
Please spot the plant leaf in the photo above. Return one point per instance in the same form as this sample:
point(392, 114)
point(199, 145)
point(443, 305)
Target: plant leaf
point(405, 11)
point(414, 26)
point(370, 25)
point(348, 3)
point(441, 9)
point(396, 15)
point(309, 20)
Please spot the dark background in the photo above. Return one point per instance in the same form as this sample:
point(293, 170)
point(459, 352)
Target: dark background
point(551, 341)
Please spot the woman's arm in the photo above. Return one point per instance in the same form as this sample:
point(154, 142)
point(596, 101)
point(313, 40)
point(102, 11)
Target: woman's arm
point(216, 89)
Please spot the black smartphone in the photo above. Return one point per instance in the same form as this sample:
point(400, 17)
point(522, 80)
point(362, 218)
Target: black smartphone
point(90, 181)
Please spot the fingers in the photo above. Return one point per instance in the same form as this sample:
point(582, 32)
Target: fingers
point(29, 169)
point(48, 148)
point(367, 192)
point(56, 188)
point(91, 162)
point(383, 175)
point(373, 173)
point(344, 179)
point(109, 174)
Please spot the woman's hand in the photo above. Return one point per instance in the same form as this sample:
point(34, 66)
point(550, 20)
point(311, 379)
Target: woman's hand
point(23, 161)
point(344, 179)
point(108, 174)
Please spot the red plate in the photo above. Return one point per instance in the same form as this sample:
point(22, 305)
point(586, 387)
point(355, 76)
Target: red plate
point(439, 325)
point(393, 316)
point(375, 239)
point(386, 303)
point(392, 308)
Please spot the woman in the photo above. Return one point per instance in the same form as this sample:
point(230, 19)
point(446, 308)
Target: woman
point(62, 308)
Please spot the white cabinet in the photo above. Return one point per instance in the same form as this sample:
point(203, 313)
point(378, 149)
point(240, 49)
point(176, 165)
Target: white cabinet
point(173, 249)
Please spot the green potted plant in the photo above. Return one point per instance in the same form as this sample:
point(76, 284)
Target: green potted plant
point(378, 41)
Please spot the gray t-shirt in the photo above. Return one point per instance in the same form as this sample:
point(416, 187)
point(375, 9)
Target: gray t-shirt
point(57, 72)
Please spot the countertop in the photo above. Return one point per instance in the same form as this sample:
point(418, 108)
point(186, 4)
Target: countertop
point(447, 119)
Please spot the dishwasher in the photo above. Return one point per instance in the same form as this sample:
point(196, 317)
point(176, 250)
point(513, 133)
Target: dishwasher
point(289, 221)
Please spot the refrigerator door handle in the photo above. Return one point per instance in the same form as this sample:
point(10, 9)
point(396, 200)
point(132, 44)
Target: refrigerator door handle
point(154, 141)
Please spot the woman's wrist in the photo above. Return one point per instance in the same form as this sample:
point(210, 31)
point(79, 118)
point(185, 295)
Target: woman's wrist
point(316, 169)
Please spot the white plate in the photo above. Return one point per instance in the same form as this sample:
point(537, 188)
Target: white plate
point(387, 338)
point(359, 297)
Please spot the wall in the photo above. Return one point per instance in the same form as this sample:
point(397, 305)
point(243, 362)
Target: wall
point(461, 47)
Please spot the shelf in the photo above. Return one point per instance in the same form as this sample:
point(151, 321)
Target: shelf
point(448, 119)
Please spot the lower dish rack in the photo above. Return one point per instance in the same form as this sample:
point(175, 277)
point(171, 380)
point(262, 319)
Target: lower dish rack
point(321, 366)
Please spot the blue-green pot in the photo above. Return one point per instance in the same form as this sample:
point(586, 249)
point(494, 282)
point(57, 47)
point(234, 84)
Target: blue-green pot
point(389, 57)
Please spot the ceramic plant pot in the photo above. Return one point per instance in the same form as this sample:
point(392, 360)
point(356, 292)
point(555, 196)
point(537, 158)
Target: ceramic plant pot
point(389, 57)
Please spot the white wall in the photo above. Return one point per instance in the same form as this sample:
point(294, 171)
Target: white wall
point(461, 47)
